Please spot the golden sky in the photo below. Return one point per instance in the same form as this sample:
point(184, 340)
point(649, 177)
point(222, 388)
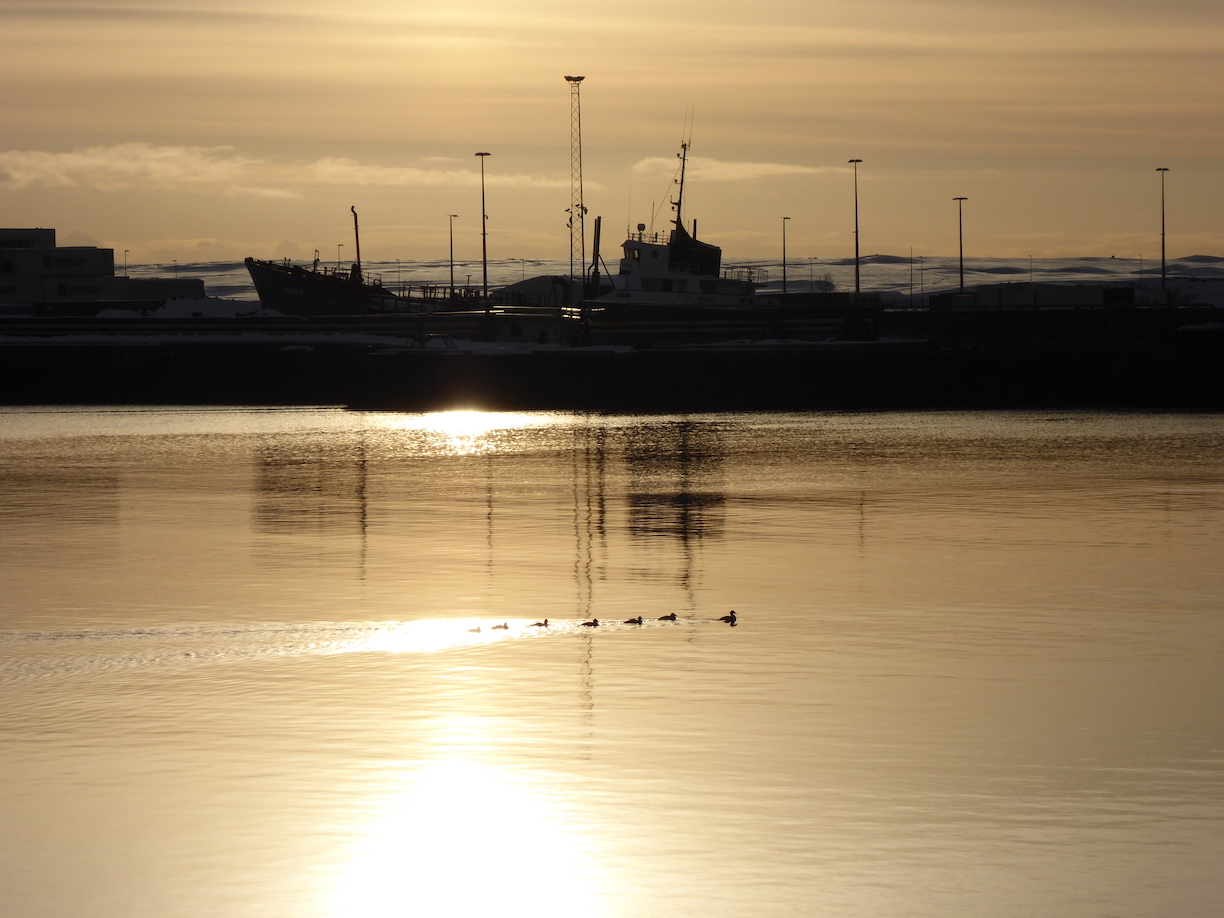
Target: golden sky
point(213, 129)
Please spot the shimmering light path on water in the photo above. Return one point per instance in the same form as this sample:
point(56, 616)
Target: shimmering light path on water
point(977, 670)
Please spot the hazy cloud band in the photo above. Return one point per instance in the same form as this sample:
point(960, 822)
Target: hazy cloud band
point(146, 167)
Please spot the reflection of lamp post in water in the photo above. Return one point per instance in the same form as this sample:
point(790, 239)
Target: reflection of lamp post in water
point(960, 221)
point(1162, 170)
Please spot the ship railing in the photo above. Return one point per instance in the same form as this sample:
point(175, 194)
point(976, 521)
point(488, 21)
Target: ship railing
point(751, 275)
point(651, 238)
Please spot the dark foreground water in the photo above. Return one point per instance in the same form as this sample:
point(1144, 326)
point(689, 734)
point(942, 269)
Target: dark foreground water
point(978, 671)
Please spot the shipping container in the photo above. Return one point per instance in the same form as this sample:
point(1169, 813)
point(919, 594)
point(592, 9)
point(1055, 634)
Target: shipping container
point(67, 261)
point(166, 288)
point(68, 289)
point(27, 238)
point(20, 290)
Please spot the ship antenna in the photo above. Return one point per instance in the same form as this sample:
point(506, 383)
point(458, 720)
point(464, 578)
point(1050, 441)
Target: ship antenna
point(357, 238)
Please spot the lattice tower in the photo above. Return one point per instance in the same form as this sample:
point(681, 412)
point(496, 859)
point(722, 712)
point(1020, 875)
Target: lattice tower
point(577, 211)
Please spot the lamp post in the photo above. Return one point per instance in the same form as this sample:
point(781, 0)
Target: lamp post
point(960, 221)
point(855, 163)
point(1162, 170)
point(125, 253)
point(339, 246)
point(784, 219)
point(450, 219)
point(484, 236)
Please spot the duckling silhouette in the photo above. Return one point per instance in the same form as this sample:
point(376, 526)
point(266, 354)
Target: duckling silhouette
point(543, 624)
point(668, 618)
point(593, 623)
point(729, 619)
point(634, 621)
point(504, 626)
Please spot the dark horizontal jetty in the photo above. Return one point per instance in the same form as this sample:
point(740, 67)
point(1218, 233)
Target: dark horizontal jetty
point(1162, 357)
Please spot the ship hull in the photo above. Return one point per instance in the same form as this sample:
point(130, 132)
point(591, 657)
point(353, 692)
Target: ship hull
point(297, 291)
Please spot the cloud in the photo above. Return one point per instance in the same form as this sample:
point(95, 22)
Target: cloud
point(211, 170)
point(713, 170)
point(134, 166)
point(343, 171)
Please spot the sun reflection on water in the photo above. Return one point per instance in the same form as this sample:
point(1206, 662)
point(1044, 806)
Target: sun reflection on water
point(459, 433)
point(467, 840)
point(432, 635)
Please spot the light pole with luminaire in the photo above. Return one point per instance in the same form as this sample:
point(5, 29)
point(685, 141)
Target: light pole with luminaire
point(1162, 170)
point(960, 222)
point(784, 219)
point(855, 163)
point(484, 235)
point(450, 219)
point(125, 254)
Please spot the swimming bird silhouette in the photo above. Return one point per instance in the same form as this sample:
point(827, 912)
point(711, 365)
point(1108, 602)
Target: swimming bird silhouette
point(593, 623)
point(668, 618)
point(473, 631)
point(634, 621)
point(729, 619)
point(504, 626)
point(543, 624)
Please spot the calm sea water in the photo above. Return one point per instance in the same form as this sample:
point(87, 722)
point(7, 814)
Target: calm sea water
point(978, 670)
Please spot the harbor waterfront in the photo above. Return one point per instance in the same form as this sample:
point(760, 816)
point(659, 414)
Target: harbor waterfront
point(253, 664)
point(1058, 348)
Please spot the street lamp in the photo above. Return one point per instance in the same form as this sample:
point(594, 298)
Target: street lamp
point(1162, 170)
point(960, 220)
point(450, 219)
point(484, 235)
point(784, 219)
point(855, 163)
point(339, 246)
point(125, 254)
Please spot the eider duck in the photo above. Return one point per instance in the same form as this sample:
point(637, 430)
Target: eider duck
point(593, 623)
point(729, 619)
point(668, 618)
point(543, 624)
point(634, 621)
point(504, 626)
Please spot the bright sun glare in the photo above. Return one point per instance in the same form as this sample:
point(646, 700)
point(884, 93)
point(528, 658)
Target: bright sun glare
point(467, 432)
point(466, 840)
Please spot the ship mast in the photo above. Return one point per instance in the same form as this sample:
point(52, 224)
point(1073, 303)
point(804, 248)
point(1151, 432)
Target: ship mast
point(678, 203)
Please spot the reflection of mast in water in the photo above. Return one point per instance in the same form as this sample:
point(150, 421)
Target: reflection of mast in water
point(590, 507)
point(673, 470)
point(363, 508)
point(586, 692)
point(489, 516)
point(306, 495)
